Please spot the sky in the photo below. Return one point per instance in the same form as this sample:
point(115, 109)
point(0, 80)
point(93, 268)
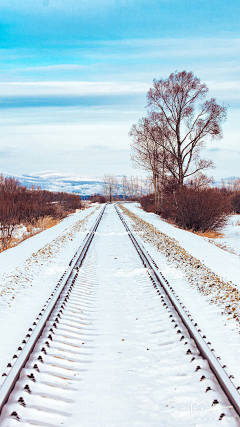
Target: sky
point(74, 76)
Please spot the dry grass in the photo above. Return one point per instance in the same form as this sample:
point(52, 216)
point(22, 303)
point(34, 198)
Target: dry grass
point(42, 224)
point(224, 246)
point(211, 234)
point(32, 229)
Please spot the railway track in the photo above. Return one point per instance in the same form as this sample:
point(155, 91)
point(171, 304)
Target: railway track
point(66, 362)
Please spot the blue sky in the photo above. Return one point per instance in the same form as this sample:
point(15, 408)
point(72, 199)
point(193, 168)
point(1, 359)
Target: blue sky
point(74, 77)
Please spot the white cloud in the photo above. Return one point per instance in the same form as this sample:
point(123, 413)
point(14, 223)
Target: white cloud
point(70, 88)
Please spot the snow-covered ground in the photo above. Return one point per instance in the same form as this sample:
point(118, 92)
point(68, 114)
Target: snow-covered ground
point(197, 294)
point(28, 274)
point(131, 369)
point(223, 263)
point(230, 241)
point(121, 362)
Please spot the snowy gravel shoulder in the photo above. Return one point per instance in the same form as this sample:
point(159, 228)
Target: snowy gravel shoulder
point(221, 262)
point(230, 240)
point(29, 272)
point(212, 301)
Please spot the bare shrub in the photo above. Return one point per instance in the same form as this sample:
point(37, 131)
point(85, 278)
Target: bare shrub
point(97, 198)
point(19, 205)
point(148, 203)
point(197, 209)
point(235, 202)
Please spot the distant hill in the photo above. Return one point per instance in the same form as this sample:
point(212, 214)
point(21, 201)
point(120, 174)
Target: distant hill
point(68, 182)
point(225, 180)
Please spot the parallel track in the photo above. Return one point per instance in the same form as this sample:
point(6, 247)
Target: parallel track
point(162, 284)
point(28, 346)
point(59, 300)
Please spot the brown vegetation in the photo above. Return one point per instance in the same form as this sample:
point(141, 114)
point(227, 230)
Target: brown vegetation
point(21, 206)
point(235, 202)
point(97, 198)
point(198, 210)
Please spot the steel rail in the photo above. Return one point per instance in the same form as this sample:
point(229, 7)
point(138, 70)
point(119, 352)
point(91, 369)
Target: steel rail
point(14, 373)
point(226, 384)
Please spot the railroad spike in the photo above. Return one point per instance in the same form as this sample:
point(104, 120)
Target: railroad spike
point(31, 377)
point(15, 415)
point(27, 389)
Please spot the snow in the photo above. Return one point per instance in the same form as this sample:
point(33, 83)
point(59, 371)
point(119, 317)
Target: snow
point(220, 329)
point(28, 274)
point(55, 181)
point(223, 263)
point(231, 236)
point(115, 359)
point(122, 363)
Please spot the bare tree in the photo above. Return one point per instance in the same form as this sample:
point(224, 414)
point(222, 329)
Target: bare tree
point(110, 186)
point(148, 152)
point(200, 180)
point(172, 109)
point(124, 186)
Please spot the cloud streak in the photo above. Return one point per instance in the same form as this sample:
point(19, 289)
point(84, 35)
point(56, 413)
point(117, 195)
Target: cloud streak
point(71, 88)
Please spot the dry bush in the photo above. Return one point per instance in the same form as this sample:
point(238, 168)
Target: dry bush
point(197, 209)
point(19, 205)
point(97, 198)
point(148, 203)
point(235, 202)
point(32, 229)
